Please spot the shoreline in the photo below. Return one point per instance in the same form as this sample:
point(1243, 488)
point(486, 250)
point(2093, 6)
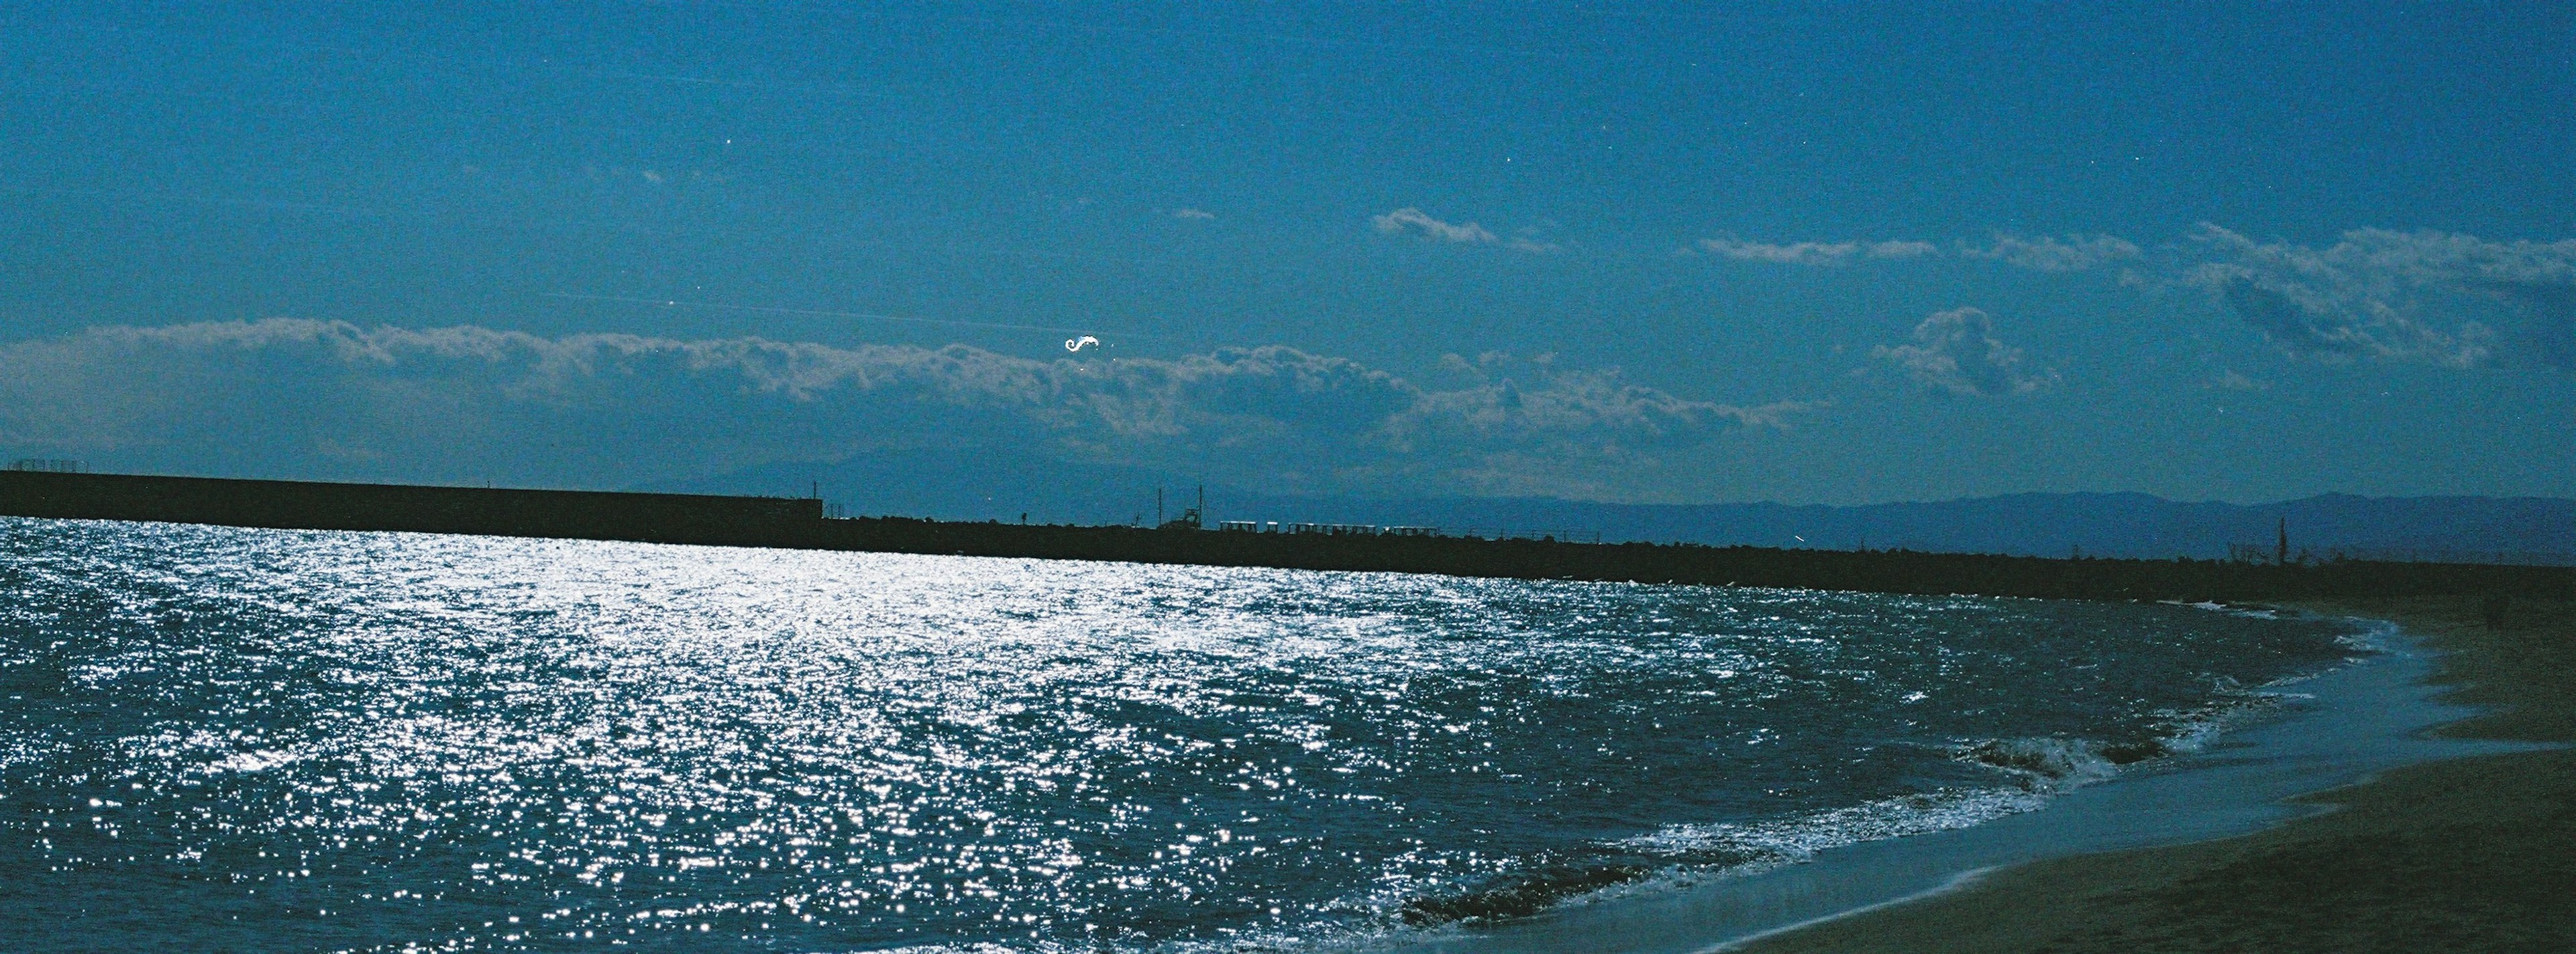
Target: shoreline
point(1957, 882)
point(2463, 852)
point(2338, 726)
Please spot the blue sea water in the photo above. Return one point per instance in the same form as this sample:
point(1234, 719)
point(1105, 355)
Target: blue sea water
point(225, 739)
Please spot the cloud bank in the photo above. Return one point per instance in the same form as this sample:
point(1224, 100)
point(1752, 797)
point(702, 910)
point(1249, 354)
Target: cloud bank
point(2376, 294)
point(1957, 351)
point(2399, 296)
point(328, 399)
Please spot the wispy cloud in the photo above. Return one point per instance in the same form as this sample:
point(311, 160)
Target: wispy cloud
point(1199, 214)
point(2398, 296)
point(294, 397)
point(2071, 253)
point(1413, 221)
point(2231, 380)
point(2046, 253)
point(2049, 253)
point(1957, 351)
point(1814, 253)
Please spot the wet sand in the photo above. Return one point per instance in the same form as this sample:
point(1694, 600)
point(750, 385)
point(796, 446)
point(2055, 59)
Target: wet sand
point(2469, 854)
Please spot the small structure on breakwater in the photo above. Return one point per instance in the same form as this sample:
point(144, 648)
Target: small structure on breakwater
point(1394, 530)
point(1332, 529)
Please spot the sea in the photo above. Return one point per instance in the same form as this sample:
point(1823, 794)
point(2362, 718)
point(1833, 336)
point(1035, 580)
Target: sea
point(221, 739)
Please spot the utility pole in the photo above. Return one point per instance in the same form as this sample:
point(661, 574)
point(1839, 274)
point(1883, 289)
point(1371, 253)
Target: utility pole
point(1158, 508)
point(2281, 556)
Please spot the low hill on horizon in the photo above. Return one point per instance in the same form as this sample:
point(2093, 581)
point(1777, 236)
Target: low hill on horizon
point(2115, 524)
point(2122, 524)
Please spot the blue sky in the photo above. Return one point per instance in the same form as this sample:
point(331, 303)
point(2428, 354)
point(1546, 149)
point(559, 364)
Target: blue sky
point(1811, 253)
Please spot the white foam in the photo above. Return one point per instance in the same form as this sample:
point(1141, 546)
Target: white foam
point(1799, 837)
point(2047, 761)
point(2217, 607)
point(2045, 766)
point(2375, 635)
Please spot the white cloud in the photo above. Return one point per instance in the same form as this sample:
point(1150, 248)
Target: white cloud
point(1797, 253)
point(1199, 214)
point(1813, 253)
point(1410, 220)
point(2048, 253)
point(1957, 351)
point(2400, 296)
point(328, 399)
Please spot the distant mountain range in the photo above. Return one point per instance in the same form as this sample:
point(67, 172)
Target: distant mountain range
point(962, 484)
point(2114, 524)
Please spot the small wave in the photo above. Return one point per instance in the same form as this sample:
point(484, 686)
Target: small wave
point(2066, 763)
point(2373, 635)
point(1764, 844)
point(2250, 610)
point(1681, 855)
point(1522, 897)
point(2055, 762)
point(2188, 731)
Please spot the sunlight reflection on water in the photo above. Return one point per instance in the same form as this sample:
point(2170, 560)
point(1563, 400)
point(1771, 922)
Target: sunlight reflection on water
point(327, 741)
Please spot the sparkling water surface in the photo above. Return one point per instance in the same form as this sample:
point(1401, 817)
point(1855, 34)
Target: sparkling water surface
point(226, 739)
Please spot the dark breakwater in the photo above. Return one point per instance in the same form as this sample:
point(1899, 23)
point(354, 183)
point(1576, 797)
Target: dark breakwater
point(800, 524)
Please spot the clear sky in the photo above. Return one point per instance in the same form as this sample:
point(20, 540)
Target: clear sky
point(1811, 253)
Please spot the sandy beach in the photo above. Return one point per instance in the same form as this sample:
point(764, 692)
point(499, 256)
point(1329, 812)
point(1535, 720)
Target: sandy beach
point(2472, 854)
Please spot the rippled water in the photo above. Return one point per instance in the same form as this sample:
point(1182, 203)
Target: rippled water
point(286, 741)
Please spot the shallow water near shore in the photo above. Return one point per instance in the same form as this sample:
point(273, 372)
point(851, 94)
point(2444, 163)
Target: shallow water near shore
point(2335, 729)
point(228, 739)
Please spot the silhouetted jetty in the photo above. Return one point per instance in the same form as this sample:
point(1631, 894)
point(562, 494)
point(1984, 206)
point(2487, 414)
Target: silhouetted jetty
point(800, 523)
